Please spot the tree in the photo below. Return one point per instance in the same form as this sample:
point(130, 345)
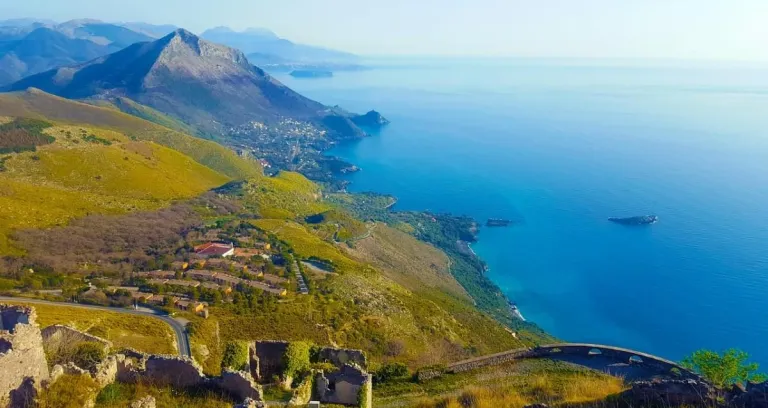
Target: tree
point(296, 360)
point(723, 370)
point(235, 356)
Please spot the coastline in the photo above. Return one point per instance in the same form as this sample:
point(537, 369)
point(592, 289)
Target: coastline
point(461, 247)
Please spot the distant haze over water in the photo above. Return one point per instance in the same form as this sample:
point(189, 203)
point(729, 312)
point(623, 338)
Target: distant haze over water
point(561, 147)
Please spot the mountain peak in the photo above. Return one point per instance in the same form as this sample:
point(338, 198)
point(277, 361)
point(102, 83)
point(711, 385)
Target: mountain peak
point(184, 35)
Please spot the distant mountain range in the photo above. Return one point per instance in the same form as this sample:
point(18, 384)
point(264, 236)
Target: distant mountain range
point(268, 48)
point(208, 86)
point(37, 46)
point(31, 46)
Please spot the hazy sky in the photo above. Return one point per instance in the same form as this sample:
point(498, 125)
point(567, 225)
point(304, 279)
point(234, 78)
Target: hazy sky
point(688, 29)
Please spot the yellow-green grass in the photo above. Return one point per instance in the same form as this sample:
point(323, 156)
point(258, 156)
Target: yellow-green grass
point(73, 177)
point(306, 244)
point(69, 391)
point(364, 308)
point(121, 395)
point(134, 108)
point(512, 385)
point(40, 105)
point(206, 344)
point(142, 333)
point(287, 195)
point(412, 263)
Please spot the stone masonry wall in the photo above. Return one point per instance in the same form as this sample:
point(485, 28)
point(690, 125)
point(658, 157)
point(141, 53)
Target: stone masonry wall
point(339, 357)
point(22, 359)
point(59, 333)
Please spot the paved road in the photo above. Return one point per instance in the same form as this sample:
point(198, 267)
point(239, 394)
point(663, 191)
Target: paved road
point(182, 340)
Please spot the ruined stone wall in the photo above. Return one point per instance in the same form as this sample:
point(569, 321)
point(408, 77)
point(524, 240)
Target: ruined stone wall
point(22, 359)
point(240, 384)
point(65, 334)
point(491, 360)
point(172, 370)
point(339, 357)
point(270, 355)
point(266, 358)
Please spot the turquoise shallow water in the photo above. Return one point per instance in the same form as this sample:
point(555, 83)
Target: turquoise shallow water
point(561, 147)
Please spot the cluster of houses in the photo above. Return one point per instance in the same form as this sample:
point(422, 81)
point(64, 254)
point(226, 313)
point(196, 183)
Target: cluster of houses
point(210, 268)
point(179, 302)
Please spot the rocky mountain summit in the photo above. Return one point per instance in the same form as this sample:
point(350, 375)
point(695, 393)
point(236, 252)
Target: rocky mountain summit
point(209, 86)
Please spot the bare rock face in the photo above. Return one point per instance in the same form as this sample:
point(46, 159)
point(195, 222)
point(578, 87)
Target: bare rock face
point(671, 393)
point(146, 402)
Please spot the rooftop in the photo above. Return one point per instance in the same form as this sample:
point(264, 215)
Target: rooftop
point(214, 249)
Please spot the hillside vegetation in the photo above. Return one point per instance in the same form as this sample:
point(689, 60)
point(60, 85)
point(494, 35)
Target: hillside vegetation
point(92, 171)
point(40, 105)
point(512, 385)
point(142, 333)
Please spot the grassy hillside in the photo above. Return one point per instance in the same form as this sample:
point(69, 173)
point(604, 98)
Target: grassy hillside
point(142, 333)
point(93, 171)
point(408, 261)
point(389, 320)
point(134, 108)
point(512, 385)
point(40, 105)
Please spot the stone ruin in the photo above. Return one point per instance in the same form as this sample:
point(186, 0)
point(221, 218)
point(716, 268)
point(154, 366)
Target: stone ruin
point(60, 334)
point(183, 372)
point(23, 366)
point(266, 358)
point(337, 387)
point(22, 359)
point(345, 386)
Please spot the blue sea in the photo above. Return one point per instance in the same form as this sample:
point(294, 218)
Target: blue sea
point(560, 146)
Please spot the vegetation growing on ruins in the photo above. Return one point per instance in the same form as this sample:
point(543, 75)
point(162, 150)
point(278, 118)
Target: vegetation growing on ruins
point(235, 356)
point(69, 391)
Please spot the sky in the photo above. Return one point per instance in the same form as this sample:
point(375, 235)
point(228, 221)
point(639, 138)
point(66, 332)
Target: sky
point(669, 29)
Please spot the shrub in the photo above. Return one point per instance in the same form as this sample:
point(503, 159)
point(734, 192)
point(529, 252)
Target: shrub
point(296, 358)
point(235, 356)
point(69, 391)
point(87, 355)
point(391, 372)
point(723, 370)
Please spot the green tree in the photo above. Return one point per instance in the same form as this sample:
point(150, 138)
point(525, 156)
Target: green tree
point(296, 359)
point(725, 369)
point(235, 356)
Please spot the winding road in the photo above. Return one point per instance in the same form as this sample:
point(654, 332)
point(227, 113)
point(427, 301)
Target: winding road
point(182, 338)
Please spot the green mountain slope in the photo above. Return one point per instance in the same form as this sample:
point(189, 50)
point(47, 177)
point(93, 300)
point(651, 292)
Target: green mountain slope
point(87, 170)
point(37, 104)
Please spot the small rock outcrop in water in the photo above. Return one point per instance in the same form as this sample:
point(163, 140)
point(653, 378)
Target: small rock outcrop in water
point(639, 220)
point(497, 222)
point(371, 119)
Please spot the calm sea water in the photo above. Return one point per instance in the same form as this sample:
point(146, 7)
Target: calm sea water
point(562, 146)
